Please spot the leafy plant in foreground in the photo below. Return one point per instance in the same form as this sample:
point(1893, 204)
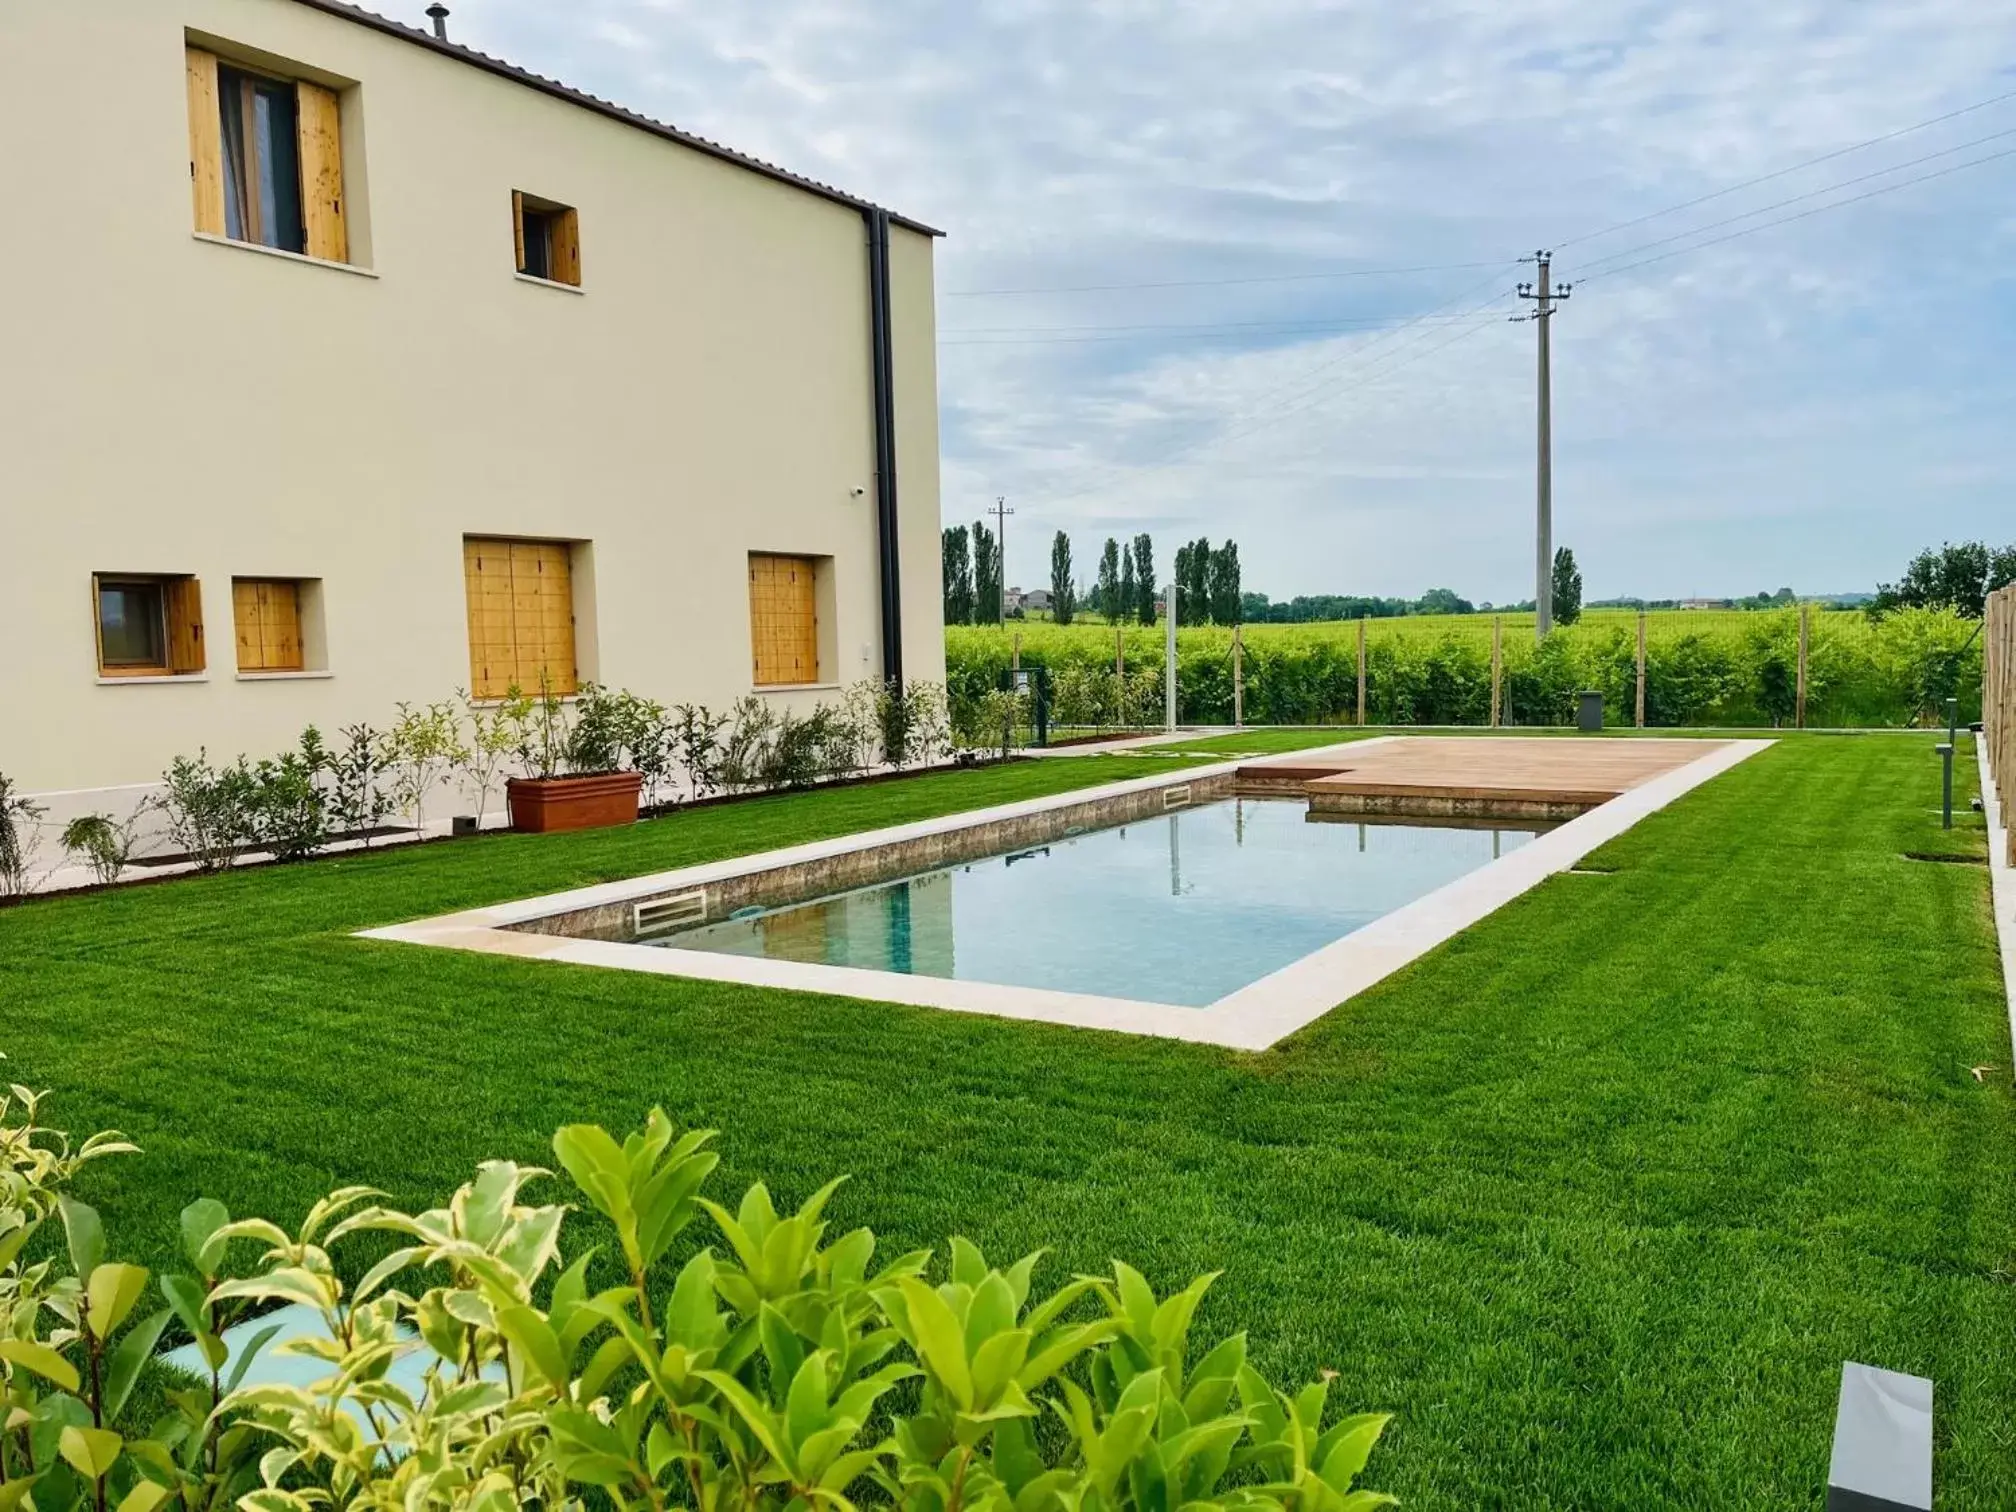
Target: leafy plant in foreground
point(466, 1369)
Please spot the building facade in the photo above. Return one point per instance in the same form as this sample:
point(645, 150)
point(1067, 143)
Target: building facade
point(348, 367)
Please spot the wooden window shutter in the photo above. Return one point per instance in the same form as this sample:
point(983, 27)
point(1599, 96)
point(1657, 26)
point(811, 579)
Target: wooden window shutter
point(206, 143)
point(567, 247)
point(521, 616)
point(492, 658)
point(267, 617)
point(518, 228)
point(318, 117)
point(783, 620)
point(182, 606)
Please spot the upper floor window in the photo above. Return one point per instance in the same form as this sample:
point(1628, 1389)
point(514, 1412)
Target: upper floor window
point(548, 238)
point(266, 159)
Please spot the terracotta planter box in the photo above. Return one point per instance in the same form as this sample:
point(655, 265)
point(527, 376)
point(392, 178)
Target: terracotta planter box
point(546, 805)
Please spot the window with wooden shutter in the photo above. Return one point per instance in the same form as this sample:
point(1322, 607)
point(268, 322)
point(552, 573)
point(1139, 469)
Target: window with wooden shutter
point(266, 159)
point(148, 625)
point(784, 620)
point(521, 616)
point(546, 236)
point(267, 612)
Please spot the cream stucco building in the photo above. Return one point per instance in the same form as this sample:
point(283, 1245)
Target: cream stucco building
point(345, 366)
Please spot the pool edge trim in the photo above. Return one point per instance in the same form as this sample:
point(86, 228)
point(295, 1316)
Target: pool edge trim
point(1254, 1017)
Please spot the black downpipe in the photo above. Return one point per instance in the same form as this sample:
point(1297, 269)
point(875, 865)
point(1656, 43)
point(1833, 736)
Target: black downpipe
point(886, 522)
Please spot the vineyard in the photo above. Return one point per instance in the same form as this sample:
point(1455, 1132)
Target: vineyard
point(1702, 667)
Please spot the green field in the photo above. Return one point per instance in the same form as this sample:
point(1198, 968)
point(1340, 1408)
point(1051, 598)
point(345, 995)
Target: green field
point(1703, 667)
point(1596, 1198)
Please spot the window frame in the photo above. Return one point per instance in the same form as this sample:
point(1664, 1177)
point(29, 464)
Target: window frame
point(179, 604)
point(559, 236)
point(318, 193)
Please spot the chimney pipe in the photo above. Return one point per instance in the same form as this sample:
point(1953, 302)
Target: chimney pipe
point(440, 14)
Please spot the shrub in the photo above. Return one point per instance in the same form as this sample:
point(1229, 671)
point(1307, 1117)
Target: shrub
point(104, 843)
point(20, 836)
point(696, 737)
point(747, 736)
point(788, 1371)
point(207, 811)
point(360, 794)
point(423, 746)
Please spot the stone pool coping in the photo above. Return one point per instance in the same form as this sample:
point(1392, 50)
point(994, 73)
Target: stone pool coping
point(1254, 1017)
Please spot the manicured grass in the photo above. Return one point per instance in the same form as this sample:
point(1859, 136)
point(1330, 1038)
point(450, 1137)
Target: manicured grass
point(1267, 739)
point(1597, 1198)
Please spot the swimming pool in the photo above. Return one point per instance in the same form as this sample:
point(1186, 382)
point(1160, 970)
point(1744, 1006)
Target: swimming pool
point(1135, 923)
point(1179, 908)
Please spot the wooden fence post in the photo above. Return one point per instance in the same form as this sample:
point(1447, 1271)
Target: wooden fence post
point(1015, 662)
point(1238, 678)
point(1361, 670)
point(1497, 670)
point(1641, 669)
point(1805, 622)
point(1120, 674)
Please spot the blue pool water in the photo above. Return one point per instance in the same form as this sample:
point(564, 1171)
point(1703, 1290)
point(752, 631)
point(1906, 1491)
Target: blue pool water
point(1183, 908)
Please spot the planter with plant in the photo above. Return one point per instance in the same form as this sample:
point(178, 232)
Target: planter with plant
point(574, 760)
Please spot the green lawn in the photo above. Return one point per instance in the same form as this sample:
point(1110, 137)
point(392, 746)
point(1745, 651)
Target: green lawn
point(1597, 1198)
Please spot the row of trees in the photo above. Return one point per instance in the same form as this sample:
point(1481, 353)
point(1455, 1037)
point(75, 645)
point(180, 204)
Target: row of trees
point(1958, 576)
point(971, 558)
point(1123, 591)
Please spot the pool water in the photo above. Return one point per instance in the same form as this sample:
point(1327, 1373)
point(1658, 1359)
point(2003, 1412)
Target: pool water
point(1183, 908)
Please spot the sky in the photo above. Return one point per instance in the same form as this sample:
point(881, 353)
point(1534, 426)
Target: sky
point(1273, 247)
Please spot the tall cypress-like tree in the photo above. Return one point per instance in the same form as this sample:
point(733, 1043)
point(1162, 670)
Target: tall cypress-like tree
point(1062, 592)
point(1567, 588)
point(1128, 606)
point(1106, 592)
point(1193, 576)
point(1227, 605)
point(1180, 571)
point(1144, 578)
point(958, 565)
point(986, 575)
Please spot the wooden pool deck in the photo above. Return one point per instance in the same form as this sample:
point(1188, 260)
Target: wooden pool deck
point(1504, 776)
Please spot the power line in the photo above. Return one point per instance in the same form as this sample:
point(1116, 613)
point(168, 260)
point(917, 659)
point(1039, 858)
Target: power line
point(1215, 283)
point(1302, 402)
point(1783, 220)
point(1765, 178)
point(1860, 178)
point(1234, 330)
point(1348, 354)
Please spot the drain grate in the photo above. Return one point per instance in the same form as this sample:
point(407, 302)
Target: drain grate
point(661, 914)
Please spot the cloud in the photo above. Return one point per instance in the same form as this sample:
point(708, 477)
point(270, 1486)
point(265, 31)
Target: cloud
point(1806, 404)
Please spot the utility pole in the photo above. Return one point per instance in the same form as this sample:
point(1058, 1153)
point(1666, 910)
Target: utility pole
point(1001, 511)
point(1544, 294)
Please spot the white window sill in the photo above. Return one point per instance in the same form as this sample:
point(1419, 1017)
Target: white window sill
point(153, 677)
point(309, 676)
point(812, 687)
point(293, 257)
point(549, 283)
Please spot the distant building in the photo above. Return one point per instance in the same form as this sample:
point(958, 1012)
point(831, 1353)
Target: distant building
point(1037, 599)
point(1014, 600)
point(1704, 603)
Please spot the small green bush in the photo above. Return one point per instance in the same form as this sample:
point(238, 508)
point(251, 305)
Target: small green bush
point(777, 1370)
